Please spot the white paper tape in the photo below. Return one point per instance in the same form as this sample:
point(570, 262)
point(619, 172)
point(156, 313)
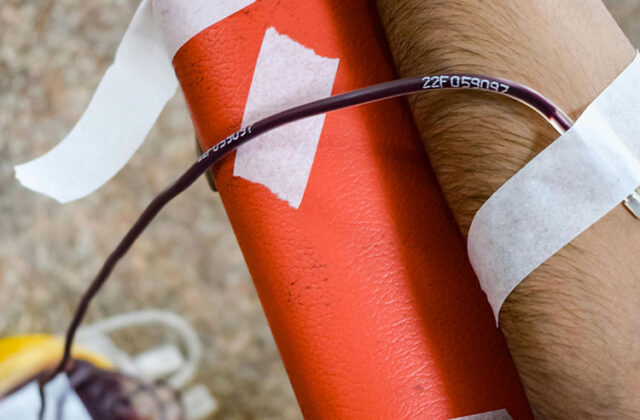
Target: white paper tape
point(181, 20)
point(131, 95)
point(128, 100)
point(561, 192)
point(287, 74)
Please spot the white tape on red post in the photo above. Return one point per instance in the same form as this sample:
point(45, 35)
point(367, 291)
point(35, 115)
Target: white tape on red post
point(287, 74)
point(181, 20)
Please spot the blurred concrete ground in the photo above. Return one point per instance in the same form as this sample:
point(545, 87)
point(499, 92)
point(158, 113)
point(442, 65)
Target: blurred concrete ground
point(52, 56)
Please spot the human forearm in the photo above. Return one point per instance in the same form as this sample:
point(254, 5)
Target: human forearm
point(572, 325)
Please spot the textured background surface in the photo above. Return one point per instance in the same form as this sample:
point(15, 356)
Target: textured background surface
point(52, 56)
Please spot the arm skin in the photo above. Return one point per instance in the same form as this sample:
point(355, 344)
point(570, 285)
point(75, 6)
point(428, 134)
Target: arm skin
point(573, 326)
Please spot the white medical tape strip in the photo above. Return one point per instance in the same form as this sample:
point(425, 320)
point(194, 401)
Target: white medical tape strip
point(286, 74)
point(565, 189)
point(181, 20)
point(131, 95)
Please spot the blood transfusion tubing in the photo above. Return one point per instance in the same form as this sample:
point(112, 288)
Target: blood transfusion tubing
point(554, 115)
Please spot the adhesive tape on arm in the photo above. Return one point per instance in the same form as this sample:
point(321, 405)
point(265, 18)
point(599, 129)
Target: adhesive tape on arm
point(565, 189)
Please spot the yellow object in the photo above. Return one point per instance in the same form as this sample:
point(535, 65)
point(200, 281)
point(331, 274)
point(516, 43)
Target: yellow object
point(25, 356)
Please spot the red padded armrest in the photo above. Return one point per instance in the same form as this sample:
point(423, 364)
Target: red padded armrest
point(367, 287)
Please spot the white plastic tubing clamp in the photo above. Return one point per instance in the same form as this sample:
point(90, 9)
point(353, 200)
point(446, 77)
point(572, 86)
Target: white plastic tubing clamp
point(566, 188)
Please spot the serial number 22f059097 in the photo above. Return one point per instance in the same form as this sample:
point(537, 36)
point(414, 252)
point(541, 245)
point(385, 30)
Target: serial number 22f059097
point(459, 81)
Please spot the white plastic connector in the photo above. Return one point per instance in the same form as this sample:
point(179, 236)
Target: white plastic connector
point(198, 402)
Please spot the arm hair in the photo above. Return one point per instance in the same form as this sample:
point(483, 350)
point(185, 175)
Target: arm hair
point(573, 325)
